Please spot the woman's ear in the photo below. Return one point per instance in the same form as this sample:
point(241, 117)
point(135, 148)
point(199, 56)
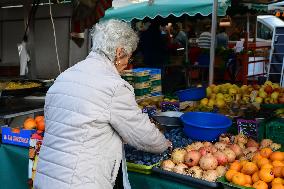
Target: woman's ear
point(119, 52)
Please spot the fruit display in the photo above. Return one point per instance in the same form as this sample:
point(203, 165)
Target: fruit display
point(265, 170)
point(36, 123)
point(13, 85)
point(139, 157)
point(208, 161)
point(225, 94)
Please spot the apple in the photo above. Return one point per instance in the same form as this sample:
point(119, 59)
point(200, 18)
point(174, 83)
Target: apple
point(267, 100)
point(268, 89)
point(262, 94)
point(208, 91)
point(258, 100)
point(275, 95)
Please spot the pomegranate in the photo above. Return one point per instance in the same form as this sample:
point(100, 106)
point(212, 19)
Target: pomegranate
point(230, 154)
point(205, 150)
point(252, 143)
point(224, 139)
point(197, 145)
point(213, 149)
point(221, 158)
point(192, 158)
point(221, 170)
point(178, 155)
point(250, 155)
point(210, 175)
point(252, 149)
point(240, 138)
point(220, 145)
point(207, 144)
point(180, 168)
point(168, 165)
point(195, 172)
point(265, 143)
point(275, 146)
point(237, 149)
point(208, 162)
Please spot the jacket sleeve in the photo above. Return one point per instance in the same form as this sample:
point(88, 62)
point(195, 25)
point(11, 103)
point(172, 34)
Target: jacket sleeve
point(132, 125)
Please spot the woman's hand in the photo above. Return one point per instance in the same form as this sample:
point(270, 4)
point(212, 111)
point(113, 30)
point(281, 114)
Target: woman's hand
point(170, 145)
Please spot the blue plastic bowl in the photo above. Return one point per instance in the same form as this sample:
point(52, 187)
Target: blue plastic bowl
point(191, 94)
point(204, 126)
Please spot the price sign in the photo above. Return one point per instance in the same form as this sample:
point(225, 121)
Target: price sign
point(248, 128)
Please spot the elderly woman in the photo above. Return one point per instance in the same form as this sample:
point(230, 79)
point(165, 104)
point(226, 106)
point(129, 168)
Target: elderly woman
point(89, 112)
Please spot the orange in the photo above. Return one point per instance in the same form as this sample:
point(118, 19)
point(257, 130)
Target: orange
point(277, 156)
point(277, 180)
point(260, 185)
point(265, 152)
point(277, 186)
point(256, 157)
point(266, 175)
point(282, 171)
point(236, 166)
point(243, 162)
point(267, 166)
point(29, 124)
point(40, 125)
point(262, 162)
point(249, 168)
point(277, 163)
point(39, 118)
point(229, 174)
point(16, 130)
point(255, 177)
point(248, 179)
point(247, 185)
point(277, 171)
point(239, 179)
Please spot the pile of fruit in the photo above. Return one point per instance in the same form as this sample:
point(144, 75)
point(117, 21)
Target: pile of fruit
point(178, 139)
point(34, 123)
point(208, 161)
point(225, 94)
point(265, 170)
point(20, 85)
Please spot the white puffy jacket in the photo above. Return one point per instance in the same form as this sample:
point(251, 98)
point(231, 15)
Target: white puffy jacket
point(89, 111)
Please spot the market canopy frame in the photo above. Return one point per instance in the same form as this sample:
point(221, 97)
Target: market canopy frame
point(165, 8)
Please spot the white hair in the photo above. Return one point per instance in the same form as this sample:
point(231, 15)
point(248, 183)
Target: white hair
point(109, 35)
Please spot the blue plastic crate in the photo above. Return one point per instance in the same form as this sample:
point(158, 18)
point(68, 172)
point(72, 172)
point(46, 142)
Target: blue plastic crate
point(19, 139)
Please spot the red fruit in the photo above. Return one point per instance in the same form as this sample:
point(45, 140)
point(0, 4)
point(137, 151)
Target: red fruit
point(221, 158)
point(192, 158)
point(268, 89)
point(204, 150)
point(237, 149)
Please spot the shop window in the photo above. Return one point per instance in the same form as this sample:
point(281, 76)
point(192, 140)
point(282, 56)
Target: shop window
point(263, 32)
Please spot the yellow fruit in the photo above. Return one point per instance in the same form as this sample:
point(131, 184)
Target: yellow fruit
point(204, 101)
point(220, 103)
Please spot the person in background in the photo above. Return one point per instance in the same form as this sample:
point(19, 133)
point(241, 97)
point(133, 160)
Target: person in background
point(153, 46)
point(222, 38)
point(180, 36)
point(204, 40)
point(90, 112)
